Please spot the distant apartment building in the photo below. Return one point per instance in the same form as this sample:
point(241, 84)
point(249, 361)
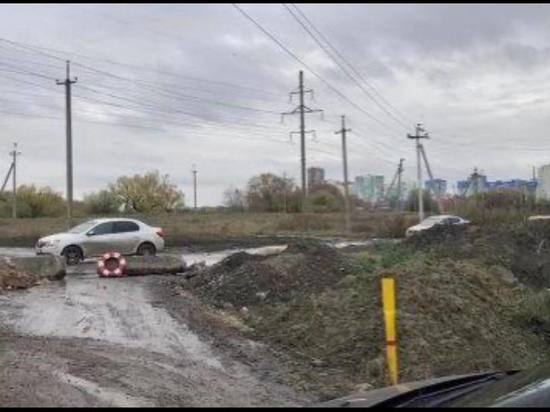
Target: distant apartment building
point(315, 176)
point(543, 183)
point(437, 186)
point(369, 187)
point(478, 183)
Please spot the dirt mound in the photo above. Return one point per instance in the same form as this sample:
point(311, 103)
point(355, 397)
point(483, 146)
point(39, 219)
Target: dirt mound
point(451, 318)
point(243, 279)
point(321, 309)
point(12, 278)
point(523, 248)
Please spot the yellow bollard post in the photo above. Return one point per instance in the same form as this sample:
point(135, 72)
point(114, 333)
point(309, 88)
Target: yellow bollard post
point(388, 302)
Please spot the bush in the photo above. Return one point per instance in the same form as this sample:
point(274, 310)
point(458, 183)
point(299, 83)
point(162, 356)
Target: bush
point(323, 201)
point(498, 207)
point(430, 205)
point(37, 202)
point(533, 312)
point(103, 202)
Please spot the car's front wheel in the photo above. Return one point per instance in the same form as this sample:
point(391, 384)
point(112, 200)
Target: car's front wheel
point(147, 249)
point(73, 255)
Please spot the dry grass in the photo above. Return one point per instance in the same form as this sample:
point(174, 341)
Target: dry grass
point(208, 227)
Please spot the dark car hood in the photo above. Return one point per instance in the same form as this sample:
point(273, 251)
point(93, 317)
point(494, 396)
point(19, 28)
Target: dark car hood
point(376, 396)
point(529, 388)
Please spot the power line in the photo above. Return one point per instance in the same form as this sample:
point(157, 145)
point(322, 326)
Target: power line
point(291, 54)
point(361, 87)
point(357, 73)
point(47, 52)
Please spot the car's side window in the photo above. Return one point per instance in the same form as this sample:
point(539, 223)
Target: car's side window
point(124, 227)
point(454, 220)
point(103, 229)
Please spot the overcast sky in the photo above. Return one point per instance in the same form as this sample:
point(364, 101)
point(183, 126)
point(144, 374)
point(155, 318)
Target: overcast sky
point(165, 86)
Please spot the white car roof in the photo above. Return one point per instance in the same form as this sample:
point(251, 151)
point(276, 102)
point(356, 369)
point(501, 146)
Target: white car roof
point(539, 217)
point(113, 219)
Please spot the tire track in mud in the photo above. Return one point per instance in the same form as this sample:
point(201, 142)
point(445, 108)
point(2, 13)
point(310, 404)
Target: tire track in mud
point(88, 341)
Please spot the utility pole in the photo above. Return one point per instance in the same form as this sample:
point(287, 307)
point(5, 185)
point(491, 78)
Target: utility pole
point(285, 192)
point(396, 176)
point(420, 133)
point(399, 173)
point(302, 109)
point(194, 186)
point(343, 131)
point(69, 144)
point(14, 153)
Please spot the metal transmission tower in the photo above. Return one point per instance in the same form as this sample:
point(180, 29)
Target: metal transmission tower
point(194, 171)
point(14, 154)
point(420, 133)
point(302, 109)
point(69, 130)
point(343, 131)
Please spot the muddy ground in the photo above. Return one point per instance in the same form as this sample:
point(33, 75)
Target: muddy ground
point(87, 341)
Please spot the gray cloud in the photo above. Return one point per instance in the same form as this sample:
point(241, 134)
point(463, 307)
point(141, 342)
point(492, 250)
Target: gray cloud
point(477, 76)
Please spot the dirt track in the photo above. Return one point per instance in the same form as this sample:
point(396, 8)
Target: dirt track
point(88, 341)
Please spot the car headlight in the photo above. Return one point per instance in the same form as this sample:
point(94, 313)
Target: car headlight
point(48, 243)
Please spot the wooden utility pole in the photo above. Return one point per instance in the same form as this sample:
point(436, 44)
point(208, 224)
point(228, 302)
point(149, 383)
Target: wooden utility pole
point(343, 131)
point(420, 133)
point(69, 139)
point(14, 154)
point(194, 186)
point(399, 173)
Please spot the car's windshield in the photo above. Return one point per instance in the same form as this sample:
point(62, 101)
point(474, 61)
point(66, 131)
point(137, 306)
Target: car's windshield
point(83, 227)
point(287, 161)
point(432, 219)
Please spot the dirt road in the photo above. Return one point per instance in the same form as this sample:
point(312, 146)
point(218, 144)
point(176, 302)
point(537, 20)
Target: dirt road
point(88, 341)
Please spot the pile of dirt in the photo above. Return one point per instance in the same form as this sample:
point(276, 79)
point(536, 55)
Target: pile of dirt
point(523, 248)
point(320, 310)
point(242, 279)
point(453, 317)
point(13, 278)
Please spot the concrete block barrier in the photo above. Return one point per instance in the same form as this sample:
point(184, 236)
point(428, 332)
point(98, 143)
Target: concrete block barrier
point(45, 266)
point(151, 265)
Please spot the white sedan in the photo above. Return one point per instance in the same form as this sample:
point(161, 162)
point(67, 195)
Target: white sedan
point(435, 220)
point(95, 237)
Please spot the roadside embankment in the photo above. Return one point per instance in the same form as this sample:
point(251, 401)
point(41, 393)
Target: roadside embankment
point(210, 231)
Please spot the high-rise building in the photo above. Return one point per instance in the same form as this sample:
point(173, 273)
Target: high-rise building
point(543, 183)
point(369, 187)
point(315, 176)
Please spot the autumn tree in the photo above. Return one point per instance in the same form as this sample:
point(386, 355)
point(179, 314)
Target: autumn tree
point(234, 199)
point(268, 192)
point(148, 193)
point(35, 201)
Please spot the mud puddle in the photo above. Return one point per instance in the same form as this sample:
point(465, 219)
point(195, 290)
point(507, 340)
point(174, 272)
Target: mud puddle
point(113, 310)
